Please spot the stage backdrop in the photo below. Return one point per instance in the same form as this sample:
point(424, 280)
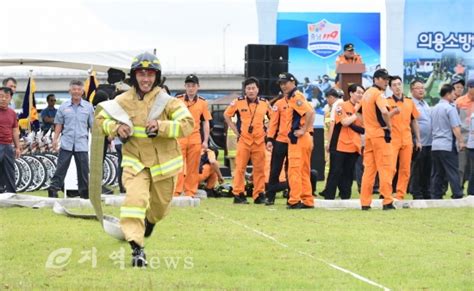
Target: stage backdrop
point(316, 39)
point(438, 45)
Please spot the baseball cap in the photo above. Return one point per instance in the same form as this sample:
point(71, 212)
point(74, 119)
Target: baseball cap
point(457, 79)
point(348, 47)
point(470, 83)
point(284, 77)
point(381, 73)
point(192, 79)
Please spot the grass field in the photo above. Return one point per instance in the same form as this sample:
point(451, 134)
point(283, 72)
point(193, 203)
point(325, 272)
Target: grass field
point(223, 246)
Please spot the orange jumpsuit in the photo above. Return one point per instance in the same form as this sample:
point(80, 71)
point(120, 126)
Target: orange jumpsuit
point(251, 143)
point(281, 115)
point(207, 174)
point(402, 140)
point(188, 179)
point(278, 134)
point(299, 152)
point(348, 140)
point(378, 152)
point(341, 59)
point(344, 148)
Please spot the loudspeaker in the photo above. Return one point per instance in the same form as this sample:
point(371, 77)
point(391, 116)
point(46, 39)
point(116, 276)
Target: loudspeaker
point(266, 62)
point(267, 70)
point(255, 52)
point(277, 53)
point(270, 87)
point(266, 52)
point(256, 69)
point(275, 68)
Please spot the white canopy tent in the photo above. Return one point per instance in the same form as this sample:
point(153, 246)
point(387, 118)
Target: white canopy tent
point(98, 61)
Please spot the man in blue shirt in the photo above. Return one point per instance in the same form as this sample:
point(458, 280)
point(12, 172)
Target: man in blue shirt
point(421, 166)
point(73, 122)
point(446, 130)
point(48, 114)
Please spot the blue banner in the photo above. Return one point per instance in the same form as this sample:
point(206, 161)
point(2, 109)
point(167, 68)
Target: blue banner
point(315, 40)
point(438, 45)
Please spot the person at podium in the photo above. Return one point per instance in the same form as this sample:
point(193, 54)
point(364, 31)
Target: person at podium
point(349, 56)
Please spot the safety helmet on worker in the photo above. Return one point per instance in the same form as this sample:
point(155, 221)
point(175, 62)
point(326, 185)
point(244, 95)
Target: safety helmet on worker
point(145, 61)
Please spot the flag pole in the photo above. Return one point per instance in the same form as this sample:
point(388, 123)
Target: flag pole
point(30, 102)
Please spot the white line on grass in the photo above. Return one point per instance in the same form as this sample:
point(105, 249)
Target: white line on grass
point(357, 276)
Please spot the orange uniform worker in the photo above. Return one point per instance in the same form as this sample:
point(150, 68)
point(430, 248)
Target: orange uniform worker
point(250, 131)
point(378, 149)
point(465, 106)
point(345, 145)
point(403, 116)
point(277, 144)
point(300, 143)
point(209, 171)
point(349, 56)
point(188, 179)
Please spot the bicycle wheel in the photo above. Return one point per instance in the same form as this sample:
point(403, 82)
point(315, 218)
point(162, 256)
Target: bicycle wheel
point(39, 172)
point(50, 169)
point(52, 157)
point(113, 171)
point(26, 174)
point(107, 173)
point(17, 175)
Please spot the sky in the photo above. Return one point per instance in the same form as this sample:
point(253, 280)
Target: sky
point(188, 35)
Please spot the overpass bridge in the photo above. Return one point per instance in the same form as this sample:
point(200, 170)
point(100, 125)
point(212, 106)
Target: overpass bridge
point(175, 82)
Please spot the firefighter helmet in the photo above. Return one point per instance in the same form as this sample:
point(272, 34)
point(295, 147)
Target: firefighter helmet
point(145, 61)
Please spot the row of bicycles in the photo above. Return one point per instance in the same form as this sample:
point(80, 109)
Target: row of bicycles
point(37, 164)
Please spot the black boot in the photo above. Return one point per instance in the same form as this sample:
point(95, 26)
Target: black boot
point(240, 199)
point(84, 194)
point(270, 199)
point(298, 205)
point(260, 199)
point(138, 255)
point(148, 228)
point(389, 207)
point(210, 192)
point(52, 193)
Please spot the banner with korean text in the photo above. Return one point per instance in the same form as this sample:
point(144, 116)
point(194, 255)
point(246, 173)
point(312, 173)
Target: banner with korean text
point(438, 44)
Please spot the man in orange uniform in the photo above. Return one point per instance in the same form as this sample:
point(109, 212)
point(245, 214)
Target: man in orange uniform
point(191, 146)
point(300, 145)
point(378, 149)
point(209, 172)
point(345, 145)
point(403, 115)
point(249, 129)
point(349, 56)
point(277, 144)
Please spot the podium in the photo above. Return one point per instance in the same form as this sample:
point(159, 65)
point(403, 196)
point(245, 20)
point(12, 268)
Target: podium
point(348, 75)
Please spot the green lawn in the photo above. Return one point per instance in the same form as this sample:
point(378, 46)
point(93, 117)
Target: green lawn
point(223, 246)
